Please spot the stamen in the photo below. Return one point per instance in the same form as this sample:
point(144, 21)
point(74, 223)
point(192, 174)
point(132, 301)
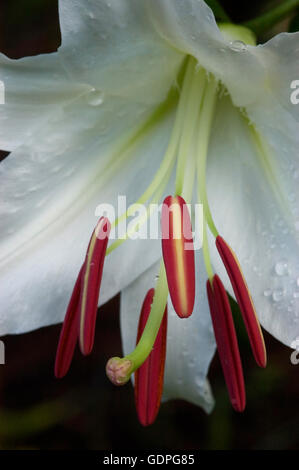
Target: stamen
point(178, 254)
point(149, 377)
point(227, 343)
point(91, 282)
point(69, 332)
point(244, 300)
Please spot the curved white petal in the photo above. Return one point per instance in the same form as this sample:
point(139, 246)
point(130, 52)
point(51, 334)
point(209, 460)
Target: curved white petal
point(47, 219)
point(35, 87)
point(253, 75)
point(190, 26)
point(264, 237)
point(112, 46)
point(274, 109)
point(190, 342)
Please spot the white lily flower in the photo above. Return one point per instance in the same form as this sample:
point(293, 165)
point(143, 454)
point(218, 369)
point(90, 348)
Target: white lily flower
point(135, 86)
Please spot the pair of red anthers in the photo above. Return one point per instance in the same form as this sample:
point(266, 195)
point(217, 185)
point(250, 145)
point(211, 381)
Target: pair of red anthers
point(80, 319)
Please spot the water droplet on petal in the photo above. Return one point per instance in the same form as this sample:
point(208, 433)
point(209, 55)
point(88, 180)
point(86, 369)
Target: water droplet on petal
point(281, 268)
point(278, 295)
point(238, 46)
point(95, 98)
point(267, 292)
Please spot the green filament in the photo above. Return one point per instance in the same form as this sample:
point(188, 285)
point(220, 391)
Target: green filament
point(203, 137)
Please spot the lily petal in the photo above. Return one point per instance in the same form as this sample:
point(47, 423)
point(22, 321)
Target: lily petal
point(191, 28)
point(261, 231)
point(266, 71)
point(52, 212)
point(113, 46)
point(190, 342)
point(35, 89)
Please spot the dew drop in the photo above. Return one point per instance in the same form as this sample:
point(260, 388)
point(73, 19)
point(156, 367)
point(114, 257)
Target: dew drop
point(56, 169)
point(267, 292)
point(32, 189)
point(278, 295)
point(191, 363)
point(41, 203)
point(296, 295)
point(21, 194)
point(13, 210)
point(297, 281)
point(238, 46)
point(281, 268)
point(95, 98)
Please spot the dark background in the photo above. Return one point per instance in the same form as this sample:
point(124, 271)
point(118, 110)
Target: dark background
point(84, 411)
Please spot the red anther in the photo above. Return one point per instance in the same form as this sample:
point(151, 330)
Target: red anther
point(69, 332)
point(227, 343)
point(149, 377)
point(178, 254)
point(91, 283)
point(244, 300)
